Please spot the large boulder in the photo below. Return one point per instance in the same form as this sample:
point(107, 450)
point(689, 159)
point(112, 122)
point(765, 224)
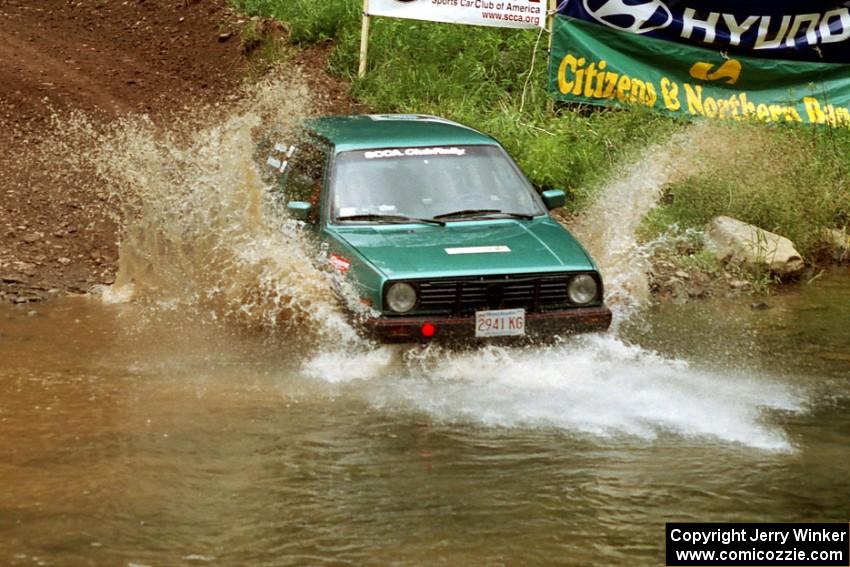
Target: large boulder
point(752, 247)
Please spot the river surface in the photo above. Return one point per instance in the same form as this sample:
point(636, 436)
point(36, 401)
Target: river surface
point(133, 436)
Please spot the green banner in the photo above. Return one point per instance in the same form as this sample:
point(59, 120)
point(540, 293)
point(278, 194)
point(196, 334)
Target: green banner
point(594, 64)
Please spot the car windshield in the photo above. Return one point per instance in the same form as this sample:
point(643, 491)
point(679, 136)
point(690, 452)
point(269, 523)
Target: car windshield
point(455, 182)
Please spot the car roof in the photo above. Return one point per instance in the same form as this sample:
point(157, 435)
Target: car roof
point(371, 131)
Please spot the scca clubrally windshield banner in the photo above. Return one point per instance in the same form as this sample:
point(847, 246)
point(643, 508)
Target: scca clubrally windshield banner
point(767, 60)
point(499, 13)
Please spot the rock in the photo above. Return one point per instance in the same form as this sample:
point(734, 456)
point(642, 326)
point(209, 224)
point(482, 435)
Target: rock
point(25, 268)
point(222, 37)
point(838, 242)
point(64, 261)
point(697, 292)
point(684, 248)
point(10, 279)
point(31, 238)
point(682, 275)
point(738, 242)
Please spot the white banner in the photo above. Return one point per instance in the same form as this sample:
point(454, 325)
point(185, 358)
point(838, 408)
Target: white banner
point(498, 13)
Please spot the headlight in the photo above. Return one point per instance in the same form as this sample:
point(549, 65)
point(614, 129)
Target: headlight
point(401, 297)
point(583, 289)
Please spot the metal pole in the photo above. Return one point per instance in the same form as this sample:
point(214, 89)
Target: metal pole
point(550, 19)
point(364, 40)
point(553, 6)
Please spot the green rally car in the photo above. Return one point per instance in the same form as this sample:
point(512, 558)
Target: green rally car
point(438, 230)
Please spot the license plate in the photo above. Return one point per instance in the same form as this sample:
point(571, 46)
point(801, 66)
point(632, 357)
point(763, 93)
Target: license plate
point(502, 323)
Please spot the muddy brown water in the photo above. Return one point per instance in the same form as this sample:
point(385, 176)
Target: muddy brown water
point(133, 436)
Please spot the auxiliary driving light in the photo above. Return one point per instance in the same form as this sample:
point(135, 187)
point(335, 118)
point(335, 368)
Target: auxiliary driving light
point(428, 330)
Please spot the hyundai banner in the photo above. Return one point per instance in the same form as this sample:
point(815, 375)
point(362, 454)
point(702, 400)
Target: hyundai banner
point(814, 30)
point(496, 13)
point(633, 52)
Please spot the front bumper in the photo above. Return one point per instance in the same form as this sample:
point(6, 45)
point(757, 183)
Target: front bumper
point(539, 326)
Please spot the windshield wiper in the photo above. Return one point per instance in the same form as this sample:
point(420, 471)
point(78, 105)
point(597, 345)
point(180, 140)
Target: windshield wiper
point(479, 212)
point(398, 219)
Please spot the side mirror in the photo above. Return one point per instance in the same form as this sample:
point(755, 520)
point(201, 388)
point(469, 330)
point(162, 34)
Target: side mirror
point(554, 198)
point(299, 210)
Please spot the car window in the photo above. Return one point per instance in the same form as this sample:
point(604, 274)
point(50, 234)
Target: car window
point(428, 182)
point(303, 175)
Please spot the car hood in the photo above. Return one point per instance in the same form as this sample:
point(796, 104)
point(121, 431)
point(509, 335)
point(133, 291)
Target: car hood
point(468, 248)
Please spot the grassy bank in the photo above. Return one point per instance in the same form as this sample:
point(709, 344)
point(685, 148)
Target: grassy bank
point(793, 180)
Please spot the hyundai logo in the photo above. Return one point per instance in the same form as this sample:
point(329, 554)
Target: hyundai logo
point(635, 16)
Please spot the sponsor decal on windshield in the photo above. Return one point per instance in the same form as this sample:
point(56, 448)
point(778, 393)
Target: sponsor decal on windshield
point(413, 152)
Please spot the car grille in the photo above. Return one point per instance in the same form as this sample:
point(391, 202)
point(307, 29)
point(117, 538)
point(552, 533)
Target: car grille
point(461, 296)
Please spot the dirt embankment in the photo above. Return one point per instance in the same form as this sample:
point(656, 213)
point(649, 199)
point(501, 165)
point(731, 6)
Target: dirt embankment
point(107, 59)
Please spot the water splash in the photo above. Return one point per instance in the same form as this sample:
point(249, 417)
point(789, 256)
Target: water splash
point(594, 385)
point(200, 227)
point(608, 228)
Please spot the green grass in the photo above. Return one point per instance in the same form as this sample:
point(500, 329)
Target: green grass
point(792, 180)
point(309, 21)
point(263, 47)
